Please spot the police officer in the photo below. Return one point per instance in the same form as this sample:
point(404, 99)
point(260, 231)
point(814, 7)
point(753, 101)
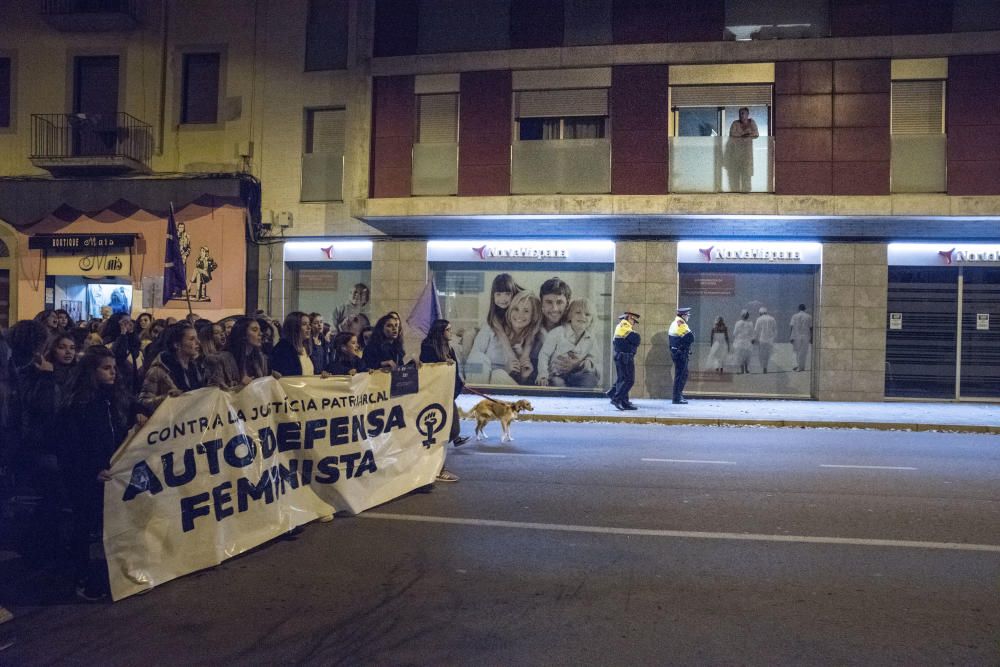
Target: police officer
point(681, 339)
point(625, 344)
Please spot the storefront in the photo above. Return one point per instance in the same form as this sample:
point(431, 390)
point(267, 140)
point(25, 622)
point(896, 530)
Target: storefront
point(529, 313)
point(753, 315)
point(943, 323)
point(332, 278)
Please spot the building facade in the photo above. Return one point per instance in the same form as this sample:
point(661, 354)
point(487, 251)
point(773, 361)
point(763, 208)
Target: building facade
point(838, 240)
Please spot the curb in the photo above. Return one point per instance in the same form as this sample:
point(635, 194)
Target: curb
point(769, 423)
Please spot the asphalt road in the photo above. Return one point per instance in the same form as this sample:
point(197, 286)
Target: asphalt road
point(597, 545)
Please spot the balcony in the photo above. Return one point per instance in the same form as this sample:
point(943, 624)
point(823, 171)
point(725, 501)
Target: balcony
point(91, 15)
point(716, 164)
point(96, 144)
point(566, 166)
point(435, 169)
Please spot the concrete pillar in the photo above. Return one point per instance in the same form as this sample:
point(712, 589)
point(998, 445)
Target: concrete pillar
point(646, 283)
point(399, 273)
point(849, 334)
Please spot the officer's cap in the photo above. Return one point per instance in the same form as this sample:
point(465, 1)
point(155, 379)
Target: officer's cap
point(683, 311)
point(627, 314)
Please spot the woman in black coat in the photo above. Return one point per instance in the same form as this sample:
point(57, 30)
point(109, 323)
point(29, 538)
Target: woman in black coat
point(437, 348)
point(346, 358)
point(291, 354)
point(95, 417)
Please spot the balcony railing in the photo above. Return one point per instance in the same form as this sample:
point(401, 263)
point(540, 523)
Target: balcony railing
point(575, 166)
point(435, 169)
point(112, 142)
point(90, 15)
point(721, 164)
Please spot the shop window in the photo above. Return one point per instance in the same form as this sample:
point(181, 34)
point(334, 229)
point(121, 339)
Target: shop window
point(326, 35)
point(531, 325)
point(919, 148)
point(339, 291)
point(778, 19)
point(754, 325)
point(5, 92)
point(323, 155)
point(711, 150)
point(435, 155)
point(200, 88)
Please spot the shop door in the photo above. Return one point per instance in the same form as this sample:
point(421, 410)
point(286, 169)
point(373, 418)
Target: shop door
point(921, 339)
point(980, 353)
point(95, 105)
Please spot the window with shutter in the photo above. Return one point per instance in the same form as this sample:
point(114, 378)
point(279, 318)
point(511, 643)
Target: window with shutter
point(323, 155)
point(918, 107)
point(437, 119)
point(562, 114)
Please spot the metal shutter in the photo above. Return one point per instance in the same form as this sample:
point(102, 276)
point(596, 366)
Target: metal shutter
point(326, 131)
point(720, 96)
point(562, 103)
point(438, 119)
point(918, 107)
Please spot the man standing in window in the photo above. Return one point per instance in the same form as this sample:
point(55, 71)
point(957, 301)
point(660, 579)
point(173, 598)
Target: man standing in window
point(741, 135)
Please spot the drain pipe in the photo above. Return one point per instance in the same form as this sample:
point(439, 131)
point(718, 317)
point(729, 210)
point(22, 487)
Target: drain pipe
point(161, 129)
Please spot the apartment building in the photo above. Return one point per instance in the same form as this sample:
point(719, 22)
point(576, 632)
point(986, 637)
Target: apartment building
point(554, 162)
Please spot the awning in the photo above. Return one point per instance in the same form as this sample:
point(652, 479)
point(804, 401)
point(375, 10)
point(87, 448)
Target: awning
point(25, 201)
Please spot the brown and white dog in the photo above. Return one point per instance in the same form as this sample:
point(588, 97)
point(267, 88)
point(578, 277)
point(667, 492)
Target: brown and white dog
point(486, 411)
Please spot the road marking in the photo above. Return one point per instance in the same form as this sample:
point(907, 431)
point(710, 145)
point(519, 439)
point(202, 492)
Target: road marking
point(721, 463)
point(545, 456)
point(831, 465)
point(647, 532)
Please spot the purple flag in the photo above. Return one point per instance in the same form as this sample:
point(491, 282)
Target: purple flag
point(425, 310)
point(174, 280)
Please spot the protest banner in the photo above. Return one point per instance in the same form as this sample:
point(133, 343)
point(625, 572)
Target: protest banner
point(215, 473)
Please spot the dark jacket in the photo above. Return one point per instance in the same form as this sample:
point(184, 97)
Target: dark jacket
point(430, 355)
point(376, 353)
point(90, 434)
point(627, 343)
point(285, 360)
point(343, 365)
point(321, 354)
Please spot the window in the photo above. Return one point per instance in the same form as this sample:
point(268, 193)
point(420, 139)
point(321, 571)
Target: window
point(919, 145)
point(562, 114)
point(5, 92)
point(323, 155)
point(778, 19)
point(200, 92)
point(437, 118)
point(326, 35)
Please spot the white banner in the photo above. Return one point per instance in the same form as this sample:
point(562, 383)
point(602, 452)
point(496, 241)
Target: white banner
point(213, 474)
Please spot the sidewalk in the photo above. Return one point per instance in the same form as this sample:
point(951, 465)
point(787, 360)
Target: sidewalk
point(961, 417)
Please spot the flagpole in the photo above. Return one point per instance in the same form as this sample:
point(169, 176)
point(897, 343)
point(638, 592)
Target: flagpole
point(187, 290)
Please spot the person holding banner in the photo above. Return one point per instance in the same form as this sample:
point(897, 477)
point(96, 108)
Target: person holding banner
point(242, 361)
point(385, 349)
point(437, 348)
point(176, 369)
point(96, 414)
point(346, 358)
point(292, 354)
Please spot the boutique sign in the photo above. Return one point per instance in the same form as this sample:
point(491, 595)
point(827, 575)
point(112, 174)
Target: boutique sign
point(778, 252)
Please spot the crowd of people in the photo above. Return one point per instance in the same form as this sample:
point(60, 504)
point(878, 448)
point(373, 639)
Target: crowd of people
point(70, 392)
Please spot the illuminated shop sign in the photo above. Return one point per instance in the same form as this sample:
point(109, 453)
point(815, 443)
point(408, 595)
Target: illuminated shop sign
point(81, 242)
point(727, 252)
point(943, 254)
point(328, 251)
point(520, 251)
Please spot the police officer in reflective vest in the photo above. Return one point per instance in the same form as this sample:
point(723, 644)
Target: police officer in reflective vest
point(625, 345)
point(681, 339)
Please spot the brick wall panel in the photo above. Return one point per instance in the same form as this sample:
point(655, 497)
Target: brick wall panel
point(860, 178)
